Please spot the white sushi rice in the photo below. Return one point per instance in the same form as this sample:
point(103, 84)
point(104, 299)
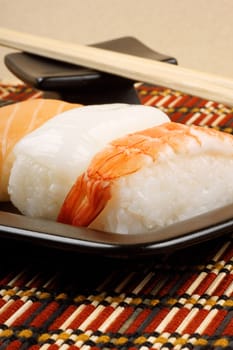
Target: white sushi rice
point(175, 189)
point(49, 160)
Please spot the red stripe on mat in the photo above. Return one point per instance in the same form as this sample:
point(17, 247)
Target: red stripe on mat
point(195, 322)
point(121, 319)
point(157, 320)
point(45, 314)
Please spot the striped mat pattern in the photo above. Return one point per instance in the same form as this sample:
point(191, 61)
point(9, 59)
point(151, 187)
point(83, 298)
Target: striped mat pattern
point(187, 109)
point(52, 299)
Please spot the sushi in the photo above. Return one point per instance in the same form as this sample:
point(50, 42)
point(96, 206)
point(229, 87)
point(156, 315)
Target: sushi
point(152, 178)
point(48, 161)
point(17, 120)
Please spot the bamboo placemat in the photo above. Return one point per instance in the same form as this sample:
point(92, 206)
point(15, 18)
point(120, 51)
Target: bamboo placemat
point(52, 299)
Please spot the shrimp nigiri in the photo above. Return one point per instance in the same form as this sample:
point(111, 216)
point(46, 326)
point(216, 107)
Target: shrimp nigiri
point(152, 178)
point(17, 120)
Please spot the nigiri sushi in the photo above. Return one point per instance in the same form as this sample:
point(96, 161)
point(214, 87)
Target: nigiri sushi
point(49, 159)
point(152, 178)
point(18, 119)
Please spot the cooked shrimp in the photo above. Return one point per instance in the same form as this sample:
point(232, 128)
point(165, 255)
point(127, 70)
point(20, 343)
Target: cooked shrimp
point(153, 177)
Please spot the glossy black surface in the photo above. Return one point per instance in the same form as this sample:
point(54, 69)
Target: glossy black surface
point(204, 227)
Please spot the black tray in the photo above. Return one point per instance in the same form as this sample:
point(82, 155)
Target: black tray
point(198, 229)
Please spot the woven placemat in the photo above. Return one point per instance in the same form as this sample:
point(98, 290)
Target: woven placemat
point(52, 299)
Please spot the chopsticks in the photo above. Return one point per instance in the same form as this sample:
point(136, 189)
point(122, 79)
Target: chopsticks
point(208, 86)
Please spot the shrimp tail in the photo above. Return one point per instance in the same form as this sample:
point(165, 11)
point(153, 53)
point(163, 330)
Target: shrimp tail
point(84, 202)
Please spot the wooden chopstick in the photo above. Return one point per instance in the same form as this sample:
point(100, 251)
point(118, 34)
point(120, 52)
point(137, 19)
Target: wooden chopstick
point(208, 86)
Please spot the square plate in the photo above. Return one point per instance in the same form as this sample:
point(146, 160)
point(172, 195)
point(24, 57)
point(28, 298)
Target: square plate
point(195, 230)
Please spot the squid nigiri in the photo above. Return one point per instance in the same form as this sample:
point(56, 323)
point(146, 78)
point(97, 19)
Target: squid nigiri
point(49, 159)
point(17, 120)
point(152, 178)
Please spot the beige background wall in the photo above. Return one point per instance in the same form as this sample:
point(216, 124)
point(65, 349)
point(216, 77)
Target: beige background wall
point(198, 33)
